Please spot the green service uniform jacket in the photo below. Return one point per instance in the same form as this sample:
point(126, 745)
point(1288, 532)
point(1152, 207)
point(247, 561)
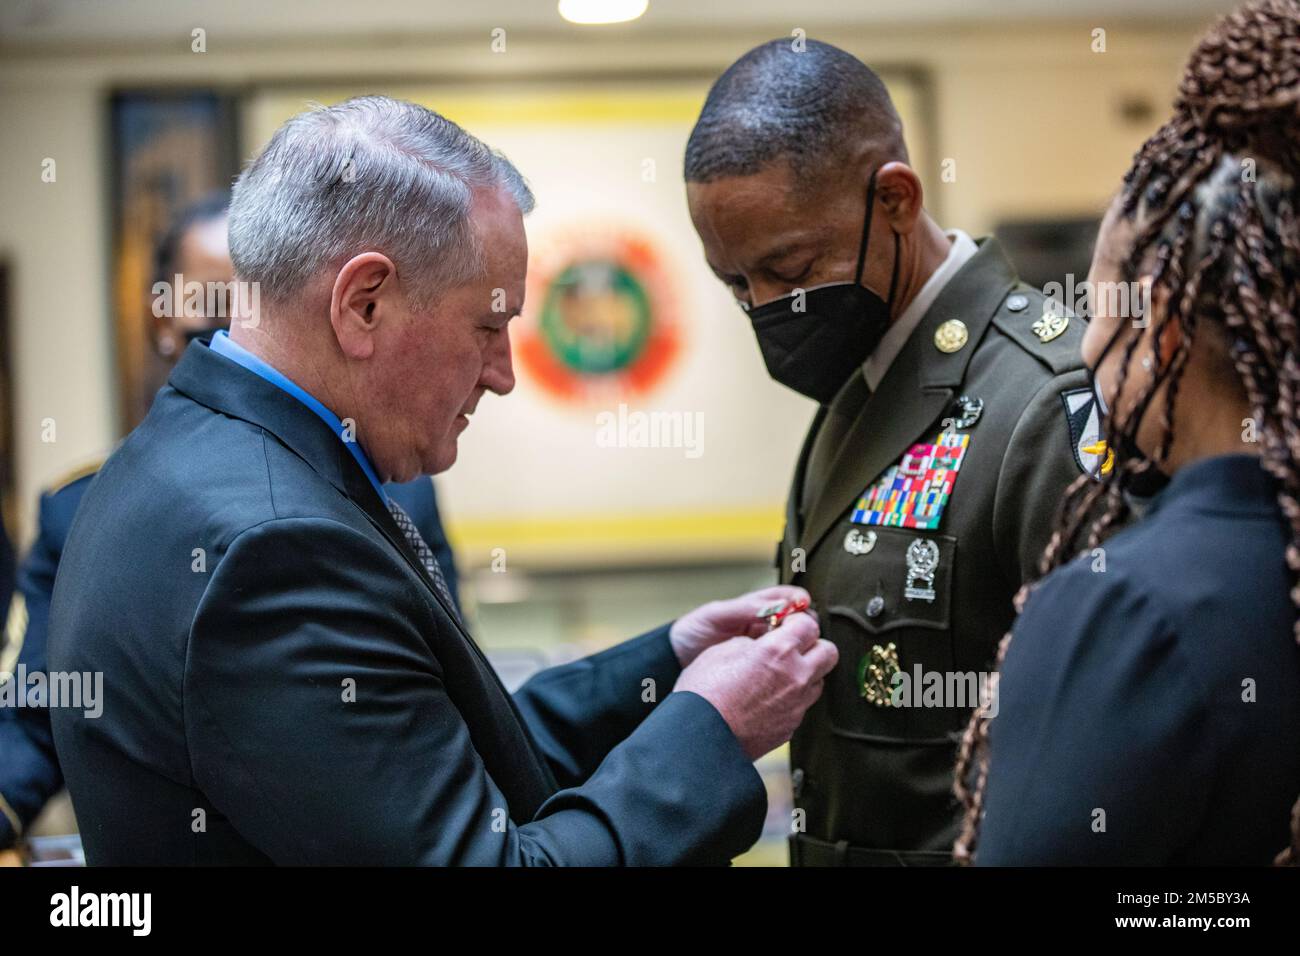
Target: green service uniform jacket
point(913, 550)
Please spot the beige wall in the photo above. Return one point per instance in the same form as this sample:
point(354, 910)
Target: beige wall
point(1029, 114)
point(53, 237)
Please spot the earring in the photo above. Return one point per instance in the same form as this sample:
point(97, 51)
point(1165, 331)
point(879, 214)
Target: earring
point(1147, 363)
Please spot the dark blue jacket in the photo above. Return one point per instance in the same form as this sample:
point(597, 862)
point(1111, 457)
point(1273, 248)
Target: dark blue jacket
point(1159, 697)
point(29, 766)
point(305, 697)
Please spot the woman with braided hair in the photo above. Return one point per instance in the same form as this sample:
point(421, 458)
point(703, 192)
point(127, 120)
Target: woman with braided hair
point(1149, 693)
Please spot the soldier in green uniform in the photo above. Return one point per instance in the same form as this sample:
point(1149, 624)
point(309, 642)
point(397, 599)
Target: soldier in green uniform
point(953, 413)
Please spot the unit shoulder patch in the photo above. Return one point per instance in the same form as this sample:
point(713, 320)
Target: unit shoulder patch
point(1081, 415)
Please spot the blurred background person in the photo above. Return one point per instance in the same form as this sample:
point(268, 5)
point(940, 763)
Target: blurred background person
point(1149, 706)
point(194, 249)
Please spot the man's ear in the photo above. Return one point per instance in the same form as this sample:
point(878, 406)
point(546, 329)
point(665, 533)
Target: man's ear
point(901, 195)
point(365, 294)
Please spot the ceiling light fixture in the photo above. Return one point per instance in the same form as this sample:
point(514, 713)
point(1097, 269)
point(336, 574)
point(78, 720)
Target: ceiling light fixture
point(602, 11)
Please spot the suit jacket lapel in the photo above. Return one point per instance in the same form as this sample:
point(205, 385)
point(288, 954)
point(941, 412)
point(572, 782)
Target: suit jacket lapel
point(919, 386)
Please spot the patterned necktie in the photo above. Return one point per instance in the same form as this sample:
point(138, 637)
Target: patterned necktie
point(422, 552)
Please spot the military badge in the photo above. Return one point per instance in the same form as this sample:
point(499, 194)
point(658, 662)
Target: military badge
point(1090, 452)
point(951, 336)
point(914, 492)
point(922, 560)
point(966, 411)
point(876, 673)
point(1051, 325)
point(855, 542)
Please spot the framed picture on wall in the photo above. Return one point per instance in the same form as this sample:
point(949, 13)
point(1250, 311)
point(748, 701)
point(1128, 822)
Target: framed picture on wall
point(641, 400)
point(168, 149)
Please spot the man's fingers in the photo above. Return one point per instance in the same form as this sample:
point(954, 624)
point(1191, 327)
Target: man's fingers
point(799, 629)
point(740, 615)
point(812, 692)
point(822, 658)
point(757, 601)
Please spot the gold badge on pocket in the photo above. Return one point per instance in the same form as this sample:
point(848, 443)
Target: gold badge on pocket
point(876, 673)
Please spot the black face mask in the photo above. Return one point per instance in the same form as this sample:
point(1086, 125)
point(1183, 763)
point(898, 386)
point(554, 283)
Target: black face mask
point(814, 350)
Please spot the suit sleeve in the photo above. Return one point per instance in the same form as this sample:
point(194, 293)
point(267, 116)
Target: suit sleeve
point(581, 711)
point(1038, 467)
point(1100, 730)
point(29, 767)
point(392, 776)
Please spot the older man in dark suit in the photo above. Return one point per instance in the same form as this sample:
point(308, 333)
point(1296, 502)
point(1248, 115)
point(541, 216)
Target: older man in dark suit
point(286, 679)
point(194, 247)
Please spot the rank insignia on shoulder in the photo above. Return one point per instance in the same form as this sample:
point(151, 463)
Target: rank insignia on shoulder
point(914, 492)
point(1090, 451)
point(1051, 325)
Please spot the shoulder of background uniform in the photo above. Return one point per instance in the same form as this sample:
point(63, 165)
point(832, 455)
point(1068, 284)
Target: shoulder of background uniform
point(55, 509)
point(1021, 310)
point(74, 482)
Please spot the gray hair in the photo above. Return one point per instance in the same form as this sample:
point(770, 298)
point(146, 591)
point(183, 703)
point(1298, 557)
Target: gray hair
point(371, 173)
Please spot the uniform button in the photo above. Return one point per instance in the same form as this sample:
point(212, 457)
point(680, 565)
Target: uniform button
point(875, 606)
point(1017, 302)
point(796, 782)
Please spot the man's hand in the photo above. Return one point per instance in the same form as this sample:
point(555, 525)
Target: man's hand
point(719, 621)
point(763, 687)
point(10, 858)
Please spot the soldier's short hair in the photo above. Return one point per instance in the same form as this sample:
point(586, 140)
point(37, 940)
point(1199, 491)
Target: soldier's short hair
point(806, 102)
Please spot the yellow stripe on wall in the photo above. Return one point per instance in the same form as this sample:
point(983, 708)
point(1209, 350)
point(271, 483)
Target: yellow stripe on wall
point(519, 108)
point(513, 105)
point(740, 534)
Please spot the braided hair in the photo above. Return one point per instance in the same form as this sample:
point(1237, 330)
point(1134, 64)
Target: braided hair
point(1212, 199)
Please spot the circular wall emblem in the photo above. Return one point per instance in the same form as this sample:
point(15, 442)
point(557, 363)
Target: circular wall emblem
point(601, 319)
